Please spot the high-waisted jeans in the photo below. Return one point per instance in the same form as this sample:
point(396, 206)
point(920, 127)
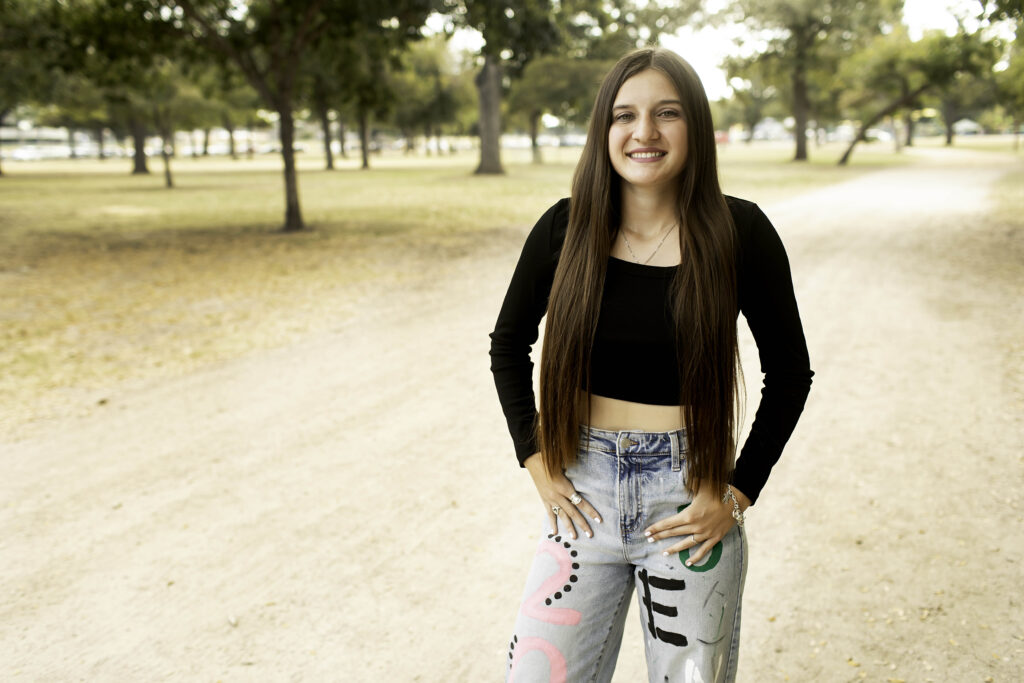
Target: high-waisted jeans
point(570, 623)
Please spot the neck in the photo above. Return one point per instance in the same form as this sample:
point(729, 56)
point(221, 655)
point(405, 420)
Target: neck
point(647, 211)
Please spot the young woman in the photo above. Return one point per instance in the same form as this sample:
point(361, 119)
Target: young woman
point(642, 273)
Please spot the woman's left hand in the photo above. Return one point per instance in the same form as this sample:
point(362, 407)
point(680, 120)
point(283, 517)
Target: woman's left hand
point(704, 522)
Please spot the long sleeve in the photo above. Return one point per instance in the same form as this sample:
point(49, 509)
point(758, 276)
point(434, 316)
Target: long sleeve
point(768, 303)
point(518, 324)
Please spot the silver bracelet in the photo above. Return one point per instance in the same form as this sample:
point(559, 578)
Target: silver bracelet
point(737, 514)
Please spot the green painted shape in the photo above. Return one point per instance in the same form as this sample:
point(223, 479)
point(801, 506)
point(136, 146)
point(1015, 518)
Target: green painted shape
point(712, 561)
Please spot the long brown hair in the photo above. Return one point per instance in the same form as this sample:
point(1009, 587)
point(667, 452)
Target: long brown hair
point(704, 293)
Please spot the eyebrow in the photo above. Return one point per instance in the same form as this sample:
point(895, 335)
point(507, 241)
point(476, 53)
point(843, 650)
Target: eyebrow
point(657, 104)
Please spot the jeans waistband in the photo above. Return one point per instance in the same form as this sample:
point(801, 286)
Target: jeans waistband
point(633, 441)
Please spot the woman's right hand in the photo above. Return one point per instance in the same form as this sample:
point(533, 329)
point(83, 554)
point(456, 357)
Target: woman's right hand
point(556, 492)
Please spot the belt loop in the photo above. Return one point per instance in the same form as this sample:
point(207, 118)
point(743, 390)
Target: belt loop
point(674, 438)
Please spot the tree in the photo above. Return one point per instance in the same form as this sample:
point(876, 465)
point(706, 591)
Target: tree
point(514, 32)
point(562, 86)
point(802, 29)
point(76, 103)
point(892, 72)
point(966, 95)
point(753, 88)
point(266, 40)
point(1010, 88)
point(27, 38)
point(428, 85)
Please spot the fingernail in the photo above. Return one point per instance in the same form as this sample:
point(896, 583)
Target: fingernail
point(666, 555)
point(689, 563)
point(589, 535)
point(647, 533)
point(650, 539)
point(597, 519)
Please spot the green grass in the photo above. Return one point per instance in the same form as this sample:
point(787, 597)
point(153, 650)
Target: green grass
point(109, 276)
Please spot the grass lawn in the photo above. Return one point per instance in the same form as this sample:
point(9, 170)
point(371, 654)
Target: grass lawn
point(109, 276)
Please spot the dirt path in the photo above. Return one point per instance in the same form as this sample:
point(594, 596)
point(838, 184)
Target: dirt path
point(349, 509)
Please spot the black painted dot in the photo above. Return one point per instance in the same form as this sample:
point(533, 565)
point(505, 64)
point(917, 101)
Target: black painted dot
point(573, 553)
point(510, 655)
point(575, 565)
point(558, 539)
point(515, 639)
point(567, 588)
point(558, 596)
point(551, 535)
point(548, 601)
point(573, 578)
point(566, 544)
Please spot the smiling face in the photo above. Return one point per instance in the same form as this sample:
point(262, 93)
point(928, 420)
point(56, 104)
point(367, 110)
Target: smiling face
point(647, 142)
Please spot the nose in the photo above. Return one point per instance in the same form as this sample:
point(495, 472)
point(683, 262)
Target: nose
point(645, 128)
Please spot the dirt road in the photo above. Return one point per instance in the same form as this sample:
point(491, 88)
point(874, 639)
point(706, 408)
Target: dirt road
point(348, 509)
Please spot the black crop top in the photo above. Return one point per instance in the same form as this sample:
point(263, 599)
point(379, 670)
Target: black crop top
point(635, 292)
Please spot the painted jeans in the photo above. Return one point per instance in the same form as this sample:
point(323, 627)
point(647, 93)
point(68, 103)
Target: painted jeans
point(573, 612)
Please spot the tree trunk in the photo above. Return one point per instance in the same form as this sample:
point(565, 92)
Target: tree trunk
point(71, 143)
point(909, 141)
point(800, 103)
point(3, 115)
point(249, 151)
point(231, 139)
point(99, 143)
point(165, 155)
point(193, 145)
point(364, 135)
point(206, 142)
point(488, 85)
point(139, 138)
point(1016, 133)
point(292, 213)
point(341, 138)
point(534, 129)
point(895, 105)
point(325, 124)
point(895, 134)
point(426, 139)
point(751, 124)
point(949, 134)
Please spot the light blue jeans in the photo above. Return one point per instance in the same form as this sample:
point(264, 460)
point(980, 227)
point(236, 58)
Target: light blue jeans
point(573, 612)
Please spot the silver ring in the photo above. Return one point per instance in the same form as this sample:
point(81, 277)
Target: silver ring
point(575, 498)
point(556, 509)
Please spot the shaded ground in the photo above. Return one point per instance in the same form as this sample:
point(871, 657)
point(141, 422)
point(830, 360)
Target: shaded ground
point(348, 508)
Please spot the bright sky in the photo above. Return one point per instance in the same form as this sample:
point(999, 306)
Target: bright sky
point(705, 49)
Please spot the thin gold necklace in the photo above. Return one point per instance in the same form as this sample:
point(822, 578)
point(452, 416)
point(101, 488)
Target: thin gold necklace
point(633, 253)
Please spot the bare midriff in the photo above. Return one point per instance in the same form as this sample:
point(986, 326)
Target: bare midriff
point(615, 415)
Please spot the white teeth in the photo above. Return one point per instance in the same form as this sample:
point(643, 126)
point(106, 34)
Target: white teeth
point(646, 155)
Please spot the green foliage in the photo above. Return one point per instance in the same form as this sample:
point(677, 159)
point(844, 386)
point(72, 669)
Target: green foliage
point(515, 31)
point(29, 37)
point(1009, 84)
point(431, 93)
point(758, 87)
point(809, 39)
point(558, 85)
